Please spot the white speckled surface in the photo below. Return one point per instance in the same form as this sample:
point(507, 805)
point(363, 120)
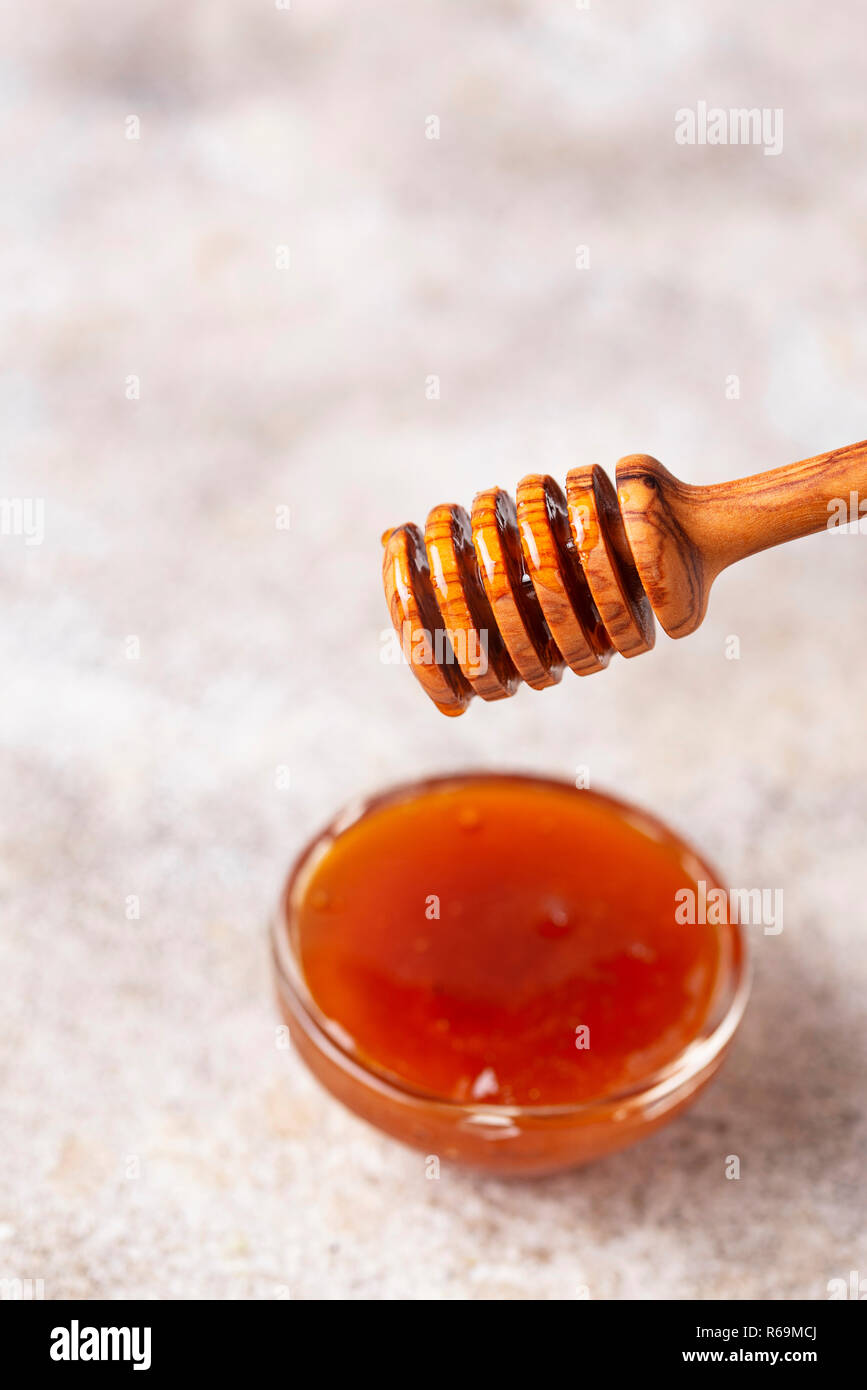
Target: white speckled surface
point(155, 1039)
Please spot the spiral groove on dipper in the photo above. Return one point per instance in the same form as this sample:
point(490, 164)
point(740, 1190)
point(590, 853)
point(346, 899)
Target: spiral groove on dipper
point(517, 591)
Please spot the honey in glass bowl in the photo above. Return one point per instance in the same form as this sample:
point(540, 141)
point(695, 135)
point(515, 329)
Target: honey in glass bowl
point(492, 968)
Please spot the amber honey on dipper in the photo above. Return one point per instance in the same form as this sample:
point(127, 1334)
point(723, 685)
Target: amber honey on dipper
point(490, 968)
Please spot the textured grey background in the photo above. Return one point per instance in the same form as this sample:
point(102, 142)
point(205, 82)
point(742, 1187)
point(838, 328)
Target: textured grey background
point(154, 1040)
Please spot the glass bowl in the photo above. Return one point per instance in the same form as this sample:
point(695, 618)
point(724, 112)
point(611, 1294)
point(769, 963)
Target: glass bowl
point(502, 1139)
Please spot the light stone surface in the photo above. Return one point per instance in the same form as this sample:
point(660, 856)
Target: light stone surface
point(149, 1045)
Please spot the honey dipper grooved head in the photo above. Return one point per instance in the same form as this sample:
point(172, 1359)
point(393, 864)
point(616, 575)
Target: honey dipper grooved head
point(515, 592)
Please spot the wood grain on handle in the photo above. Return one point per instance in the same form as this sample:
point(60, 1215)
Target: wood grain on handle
point(682, 536)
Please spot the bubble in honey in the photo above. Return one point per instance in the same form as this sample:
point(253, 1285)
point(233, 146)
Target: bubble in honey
point(469, 818)
point(639, 950)
point(554, 923)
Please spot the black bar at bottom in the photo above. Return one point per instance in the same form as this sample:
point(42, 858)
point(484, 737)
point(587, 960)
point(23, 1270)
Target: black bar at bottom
point(162, 1339)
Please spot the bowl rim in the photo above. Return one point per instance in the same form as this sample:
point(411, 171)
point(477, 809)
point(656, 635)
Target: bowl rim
point(731, 990)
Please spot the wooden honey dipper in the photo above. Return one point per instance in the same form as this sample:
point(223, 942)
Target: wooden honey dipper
point(521, 589)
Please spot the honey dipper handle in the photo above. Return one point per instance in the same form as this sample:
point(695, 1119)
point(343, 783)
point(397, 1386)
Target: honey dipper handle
point(751, 514)
point(683, 536)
